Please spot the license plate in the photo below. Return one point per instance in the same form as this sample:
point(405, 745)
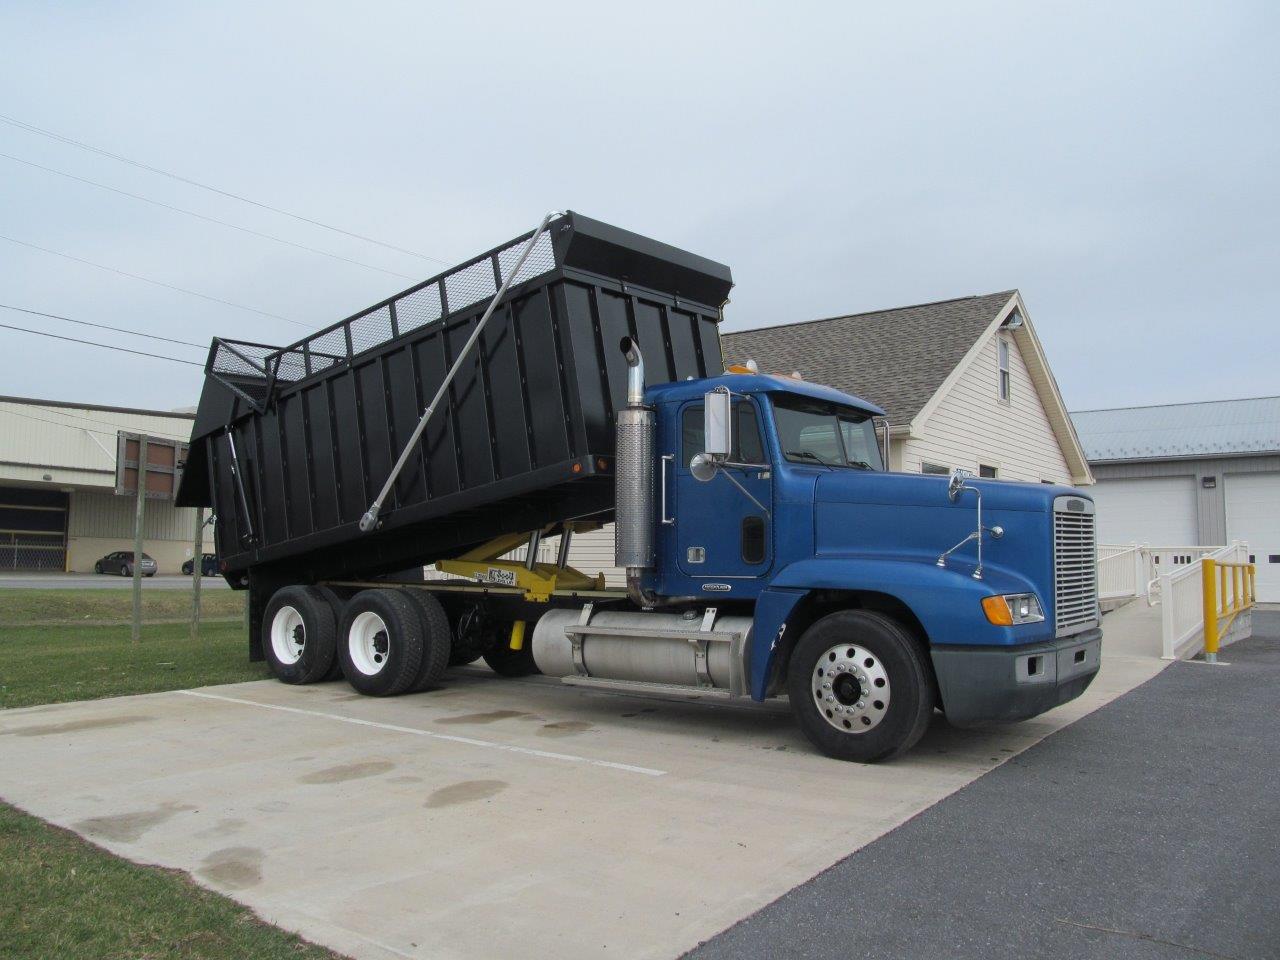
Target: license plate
point(505, 578)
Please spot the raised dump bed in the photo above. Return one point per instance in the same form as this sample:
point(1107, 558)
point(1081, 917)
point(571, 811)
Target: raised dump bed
point(292, 444)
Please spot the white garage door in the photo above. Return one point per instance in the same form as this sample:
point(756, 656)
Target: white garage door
point(1253, 515)
point(1160, 511)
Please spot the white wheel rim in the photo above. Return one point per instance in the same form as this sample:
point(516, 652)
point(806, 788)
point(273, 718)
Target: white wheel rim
point(850, 688)
point(288, 635)
point(368, 643)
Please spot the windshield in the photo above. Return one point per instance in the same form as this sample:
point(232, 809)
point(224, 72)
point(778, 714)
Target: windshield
point(810, 431)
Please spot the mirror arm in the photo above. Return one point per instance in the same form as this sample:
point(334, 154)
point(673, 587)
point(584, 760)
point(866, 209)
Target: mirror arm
point(745, 492)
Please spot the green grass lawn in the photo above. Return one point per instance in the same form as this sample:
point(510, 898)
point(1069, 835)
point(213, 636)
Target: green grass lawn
point(62, 898)
point(60, 645)
point(19, 607)
point(65, 899)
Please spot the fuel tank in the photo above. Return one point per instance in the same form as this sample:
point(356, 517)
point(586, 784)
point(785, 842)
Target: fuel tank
point(696, 648)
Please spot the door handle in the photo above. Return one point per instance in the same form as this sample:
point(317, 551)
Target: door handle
point(667, 458)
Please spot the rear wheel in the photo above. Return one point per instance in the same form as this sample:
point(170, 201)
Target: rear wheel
point(505, 661)
point(382, 647)
point(299, 635)
point(126, 570)
point(859, 687)
point(437, 639)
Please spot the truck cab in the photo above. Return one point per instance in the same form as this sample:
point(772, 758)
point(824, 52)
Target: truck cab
point(873, 597)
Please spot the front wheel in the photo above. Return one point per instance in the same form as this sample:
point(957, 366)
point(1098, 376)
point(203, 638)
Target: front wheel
point(97, 567)
point(859, 687)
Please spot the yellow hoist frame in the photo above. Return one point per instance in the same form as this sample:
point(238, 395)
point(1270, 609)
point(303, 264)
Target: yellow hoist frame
point(491, 564)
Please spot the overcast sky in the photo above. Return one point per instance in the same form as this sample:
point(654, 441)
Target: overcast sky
point(1117, 162)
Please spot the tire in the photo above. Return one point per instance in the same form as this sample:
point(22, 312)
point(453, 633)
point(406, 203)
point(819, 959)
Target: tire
point(97, 567)
point(437, 638)
point(506, 662)
point(299, 635)
point(468, 637)
point(125, 571)
point(874, 662)
point(381, 644)
point(337, 605)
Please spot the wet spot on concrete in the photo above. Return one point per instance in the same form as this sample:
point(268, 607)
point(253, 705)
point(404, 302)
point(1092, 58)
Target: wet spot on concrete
point(489, 717)
point(127, 827)
point(272, 806)
point(406, 779)
point(222, 828)
point(563, 728)
point(468, 791)
point(302, 759)
point(233, 867)
point(74, 726)
point(348, 771)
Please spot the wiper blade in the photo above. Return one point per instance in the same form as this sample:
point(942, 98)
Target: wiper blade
point(808, 455)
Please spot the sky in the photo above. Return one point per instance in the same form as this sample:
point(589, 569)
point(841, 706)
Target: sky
point(1119, 163)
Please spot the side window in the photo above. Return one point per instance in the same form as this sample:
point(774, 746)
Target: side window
point(1003, 384)
point(748, 446)
point(934, 468)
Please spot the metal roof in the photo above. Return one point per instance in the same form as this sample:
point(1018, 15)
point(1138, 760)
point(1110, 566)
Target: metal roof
point(1213, 429)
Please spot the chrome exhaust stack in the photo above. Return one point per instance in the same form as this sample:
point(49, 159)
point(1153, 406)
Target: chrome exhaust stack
point(633, 483)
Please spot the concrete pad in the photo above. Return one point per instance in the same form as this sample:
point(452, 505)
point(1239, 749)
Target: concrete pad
point(492, 817)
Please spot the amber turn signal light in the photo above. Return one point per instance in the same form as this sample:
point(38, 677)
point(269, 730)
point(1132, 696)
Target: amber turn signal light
point(997, 610)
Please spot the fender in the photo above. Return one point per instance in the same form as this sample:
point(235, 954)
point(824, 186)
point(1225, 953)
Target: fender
point(947, 602)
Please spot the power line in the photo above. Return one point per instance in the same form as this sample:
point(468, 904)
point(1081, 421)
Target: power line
point(32, 128)
point(158, 283)
point(208, 219)
point(103, 326)
point(104, 346)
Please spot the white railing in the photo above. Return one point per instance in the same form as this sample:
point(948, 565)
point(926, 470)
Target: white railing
point(1182, 602)
point(1121, 571)
point(1132, 570)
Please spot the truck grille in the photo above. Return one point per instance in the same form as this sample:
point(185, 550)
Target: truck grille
point(1075, 565)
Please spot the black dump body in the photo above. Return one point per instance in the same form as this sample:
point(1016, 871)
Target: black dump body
point(291, 445)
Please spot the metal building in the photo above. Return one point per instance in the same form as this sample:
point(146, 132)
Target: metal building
point(1190, 474)
point(58, 508)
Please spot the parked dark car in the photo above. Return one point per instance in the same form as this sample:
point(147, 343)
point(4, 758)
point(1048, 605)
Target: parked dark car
point(121, 562)
point(208, 565)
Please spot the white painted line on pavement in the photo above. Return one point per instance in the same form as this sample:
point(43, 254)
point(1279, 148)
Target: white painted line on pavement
point(450, 738)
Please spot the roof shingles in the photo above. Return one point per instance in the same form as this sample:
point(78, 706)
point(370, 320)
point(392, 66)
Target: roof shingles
point(894, 358)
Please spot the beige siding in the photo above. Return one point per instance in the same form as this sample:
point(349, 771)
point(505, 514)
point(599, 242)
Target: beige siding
point(592, 553)
point(971, 426)
point(73, 445)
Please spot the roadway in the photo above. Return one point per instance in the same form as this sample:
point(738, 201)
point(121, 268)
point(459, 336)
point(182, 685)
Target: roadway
point(91, 581)
point(1144, 830)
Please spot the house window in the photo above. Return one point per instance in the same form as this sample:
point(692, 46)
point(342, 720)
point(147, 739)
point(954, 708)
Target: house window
point(934, 468)
point(1003, 386)
point(989, 472)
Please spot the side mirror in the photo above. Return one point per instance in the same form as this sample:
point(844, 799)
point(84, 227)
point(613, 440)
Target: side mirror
point(703, 466)
point(956, 483)
point(717, 424)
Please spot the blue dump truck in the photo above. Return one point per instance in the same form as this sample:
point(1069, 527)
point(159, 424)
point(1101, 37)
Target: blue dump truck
point(572, 378)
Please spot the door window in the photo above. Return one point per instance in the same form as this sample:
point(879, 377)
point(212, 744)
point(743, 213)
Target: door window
point(747, 444)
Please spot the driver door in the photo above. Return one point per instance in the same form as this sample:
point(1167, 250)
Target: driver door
point(720, 533)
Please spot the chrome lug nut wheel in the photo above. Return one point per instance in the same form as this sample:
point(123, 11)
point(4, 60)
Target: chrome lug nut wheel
point(852, 688)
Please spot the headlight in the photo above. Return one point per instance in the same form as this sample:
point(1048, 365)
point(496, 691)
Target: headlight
point(1012, 608)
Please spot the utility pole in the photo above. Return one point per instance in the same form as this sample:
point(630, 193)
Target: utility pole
point(197, 572)
point(137, 539)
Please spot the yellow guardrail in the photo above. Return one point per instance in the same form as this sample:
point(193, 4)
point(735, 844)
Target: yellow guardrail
point(1224, 601)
